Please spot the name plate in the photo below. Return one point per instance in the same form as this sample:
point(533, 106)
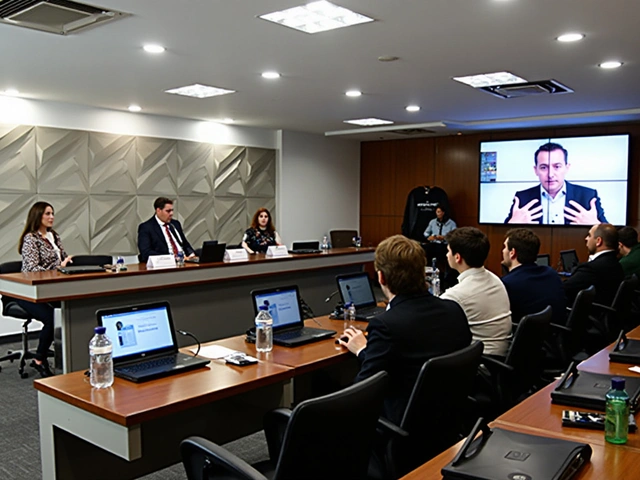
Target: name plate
point(277, 251)
point(236, 255)
point(161, 261)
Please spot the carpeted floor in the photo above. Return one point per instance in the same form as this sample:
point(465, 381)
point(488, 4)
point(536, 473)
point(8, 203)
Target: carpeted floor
point(20, 440)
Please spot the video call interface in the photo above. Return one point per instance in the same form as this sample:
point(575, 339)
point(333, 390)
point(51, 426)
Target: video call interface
point(508, 169)
point(138, 331)
point(356, 290)
point(283, 307)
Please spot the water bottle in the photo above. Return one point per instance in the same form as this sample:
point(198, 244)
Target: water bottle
point(616, 419)
point(325, 243)
point(180, 259)
point(264, 330)
point(352, 312)
point(435, 283)
point(100, 360)
point(120, 264)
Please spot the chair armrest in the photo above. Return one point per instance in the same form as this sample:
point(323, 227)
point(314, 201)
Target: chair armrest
point(560, 327)
point(496, 363)
point(604, 307)
point(193, 448)
point(275, 425)
point(388, 427)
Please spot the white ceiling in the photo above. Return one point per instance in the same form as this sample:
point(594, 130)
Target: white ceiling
point(223, 43)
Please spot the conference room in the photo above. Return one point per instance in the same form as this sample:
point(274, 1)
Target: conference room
point(70, 135)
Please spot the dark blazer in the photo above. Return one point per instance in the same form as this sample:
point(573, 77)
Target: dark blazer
point(415, 329)
point(577, 193)
point(531, 288)
point(151, 240)
point(605, 272)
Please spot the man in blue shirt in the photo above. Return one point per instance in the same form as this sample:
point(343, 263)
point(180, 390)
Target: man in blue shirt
point(530, 287)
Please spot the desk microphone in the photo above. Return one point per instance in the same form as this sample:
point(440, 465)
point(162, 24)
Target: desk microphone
point(333, 294)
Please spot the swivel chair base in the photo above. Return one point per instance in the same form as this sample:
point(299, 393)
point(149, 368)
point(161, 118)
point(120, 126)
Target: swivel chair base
point(23, 355)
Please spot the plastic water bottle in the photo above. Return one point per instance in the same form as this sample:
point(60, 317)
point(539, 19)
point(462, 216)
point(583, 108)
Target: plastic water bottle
point(180, 259)
point(120, 264)
point(100, 359)
point(435, 278)
point(616, 419)
point(325, 243)
point(264, 330)
point(352, 312)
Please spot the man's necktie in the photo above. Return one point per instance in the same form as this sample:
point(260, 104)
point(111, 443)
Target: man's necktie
point(174, 247)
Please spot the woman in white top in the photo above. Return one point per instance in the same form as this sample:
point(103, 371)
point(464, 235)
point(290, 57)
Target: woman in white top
point(439, 226)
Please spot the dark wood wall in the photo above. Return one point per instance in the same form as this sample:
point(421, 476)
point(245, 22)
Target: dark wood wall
point(391, 169)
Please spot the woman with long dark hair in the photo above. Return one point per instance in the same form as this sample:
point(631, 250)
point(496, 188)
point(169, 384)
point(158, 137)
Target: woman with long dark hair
point(262, 233)
point(41, 250)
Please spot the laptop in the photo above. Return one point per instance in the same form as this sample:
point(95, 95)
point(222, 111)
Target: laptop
point(212, 251)
point(342, 238)
point(544, 260)
point(569, 259)
point(302, 248)
point(71, 269)
point(356, 288)
point(284, 308)
point(144, 342)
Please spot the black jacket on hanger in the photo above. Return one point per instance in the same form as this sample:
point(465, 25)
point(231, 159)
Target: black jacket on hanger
point(421, 209)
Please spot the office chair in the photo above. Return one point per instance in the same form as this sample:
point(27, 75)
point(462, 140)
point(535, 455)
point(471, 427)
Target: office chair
point(10, 308)
point(342, 238)
point(521, 372)
point(434, 417)
point(326, 437)
point(618, 316)
point(91, 260)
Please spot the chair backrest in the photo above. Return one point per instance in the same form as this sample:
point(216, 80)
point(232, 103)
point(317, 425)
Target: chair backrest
point(525, 356)
point(332, 436)
point(91, 260)
point(342, 238)
point(434, 414)
point(9, 267)
point(622, 303)
point(578, 321)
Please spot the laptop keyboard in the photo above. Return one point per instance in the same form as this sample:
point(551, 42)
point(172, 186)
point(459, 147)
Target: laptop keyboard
point(295, 333)
point(305, 251)
point(149, 364)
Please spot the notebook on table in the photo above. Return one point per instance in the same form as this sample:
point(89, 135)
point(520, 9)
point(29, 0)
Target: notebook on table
point(356, 288)
point(305, 248)
point(212, 251)
point(288, 325)
point(144, 342)
point(71, 269)
point(625, 350)
point(569, 260)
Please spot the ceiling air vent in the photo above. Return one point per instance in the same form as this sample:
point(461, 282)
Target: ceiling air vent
point(413, 131)
point(529, 89)
point(54, 16)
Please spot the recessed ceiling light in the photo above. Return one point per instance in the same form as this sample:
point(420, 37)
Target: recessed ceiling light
point(270, 75)
point(353, 93)
point(412, 108)
point(199, 91)
point(10, 92)
point(227, 120)
point(316, 17)
point(611, 64)
point(490, 79)
point(135, 108)
point(153, 48)
point(368, 122)
point(570, 37)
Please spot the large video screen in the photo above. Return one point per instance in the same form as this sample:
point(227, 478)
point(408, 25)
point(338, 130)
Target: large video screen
point(554, 181)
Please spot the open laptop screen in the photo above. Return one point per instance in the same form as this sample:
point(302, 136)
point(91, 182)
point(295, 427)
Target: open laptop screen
point(356, 289)
point(138, 331)
point(569, 260)
point(284, 306)
point(543, 259)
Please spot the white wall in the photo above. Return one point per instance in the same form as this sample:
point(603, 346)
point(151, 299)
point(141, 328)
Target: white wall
point(318, 185)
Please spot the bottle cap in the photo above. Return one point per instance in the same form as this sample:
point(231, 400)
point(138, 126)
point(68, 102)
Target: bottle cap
point(617, 383)
point(99, 330)
point(348, 304)
point(263, 307)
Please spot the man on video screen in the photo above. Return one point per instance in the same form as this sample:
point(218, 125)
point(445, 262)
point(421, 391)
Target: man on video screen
point(555, 201)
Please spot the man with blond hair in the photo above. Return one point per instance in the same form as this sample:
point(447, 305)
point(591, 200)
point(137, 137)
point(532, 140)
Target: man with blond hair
point(416, 326)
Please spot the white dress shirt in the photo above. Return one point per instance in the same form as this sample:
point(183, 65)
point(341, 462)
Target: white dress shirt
point(166, 237)
point(553, 208)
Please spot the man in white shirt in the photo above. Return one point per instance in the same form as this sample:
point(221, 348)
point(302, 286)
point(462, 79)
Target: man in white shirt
point(479, 292)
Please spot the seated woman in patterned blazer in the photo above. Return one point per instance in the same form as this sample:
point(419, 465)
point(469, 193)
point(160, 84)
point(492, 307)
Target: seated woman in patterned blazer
point(41, 250)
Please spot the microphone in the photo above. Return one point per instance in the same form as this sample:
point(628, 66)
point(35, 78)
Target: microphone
point(189, 334)
point(333, 294)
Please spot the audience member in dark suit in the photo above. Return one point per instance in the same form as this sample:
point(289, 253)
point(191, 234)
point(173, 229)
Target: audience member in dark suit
point(629, 251)
point(555, 201)
point(161, 234)
point(416, 327)
point(530, 287)
point(602, 270)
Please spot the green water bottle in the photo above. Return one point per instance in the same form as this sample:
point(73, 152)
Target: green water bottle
point(616, 421)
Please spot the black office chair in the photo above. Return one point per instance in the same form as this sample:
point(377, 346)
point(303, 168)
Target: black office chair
point(434, 417)
point(609, 320)
point(521, 372)
point(342, 238)
point(326, 437)
point(91, 260)
point(10, 308)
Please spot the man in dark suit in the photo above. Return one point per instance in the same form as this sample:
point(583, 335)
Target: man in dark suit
point(161, 234)
point(602, 270)
point(555, 201)
point(416, 327)
point(530, 287)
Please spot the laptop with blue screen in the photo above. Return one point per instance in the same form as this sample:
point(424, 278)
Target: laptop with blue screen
point(144, 342)
point(284, 308)
point(355, 288)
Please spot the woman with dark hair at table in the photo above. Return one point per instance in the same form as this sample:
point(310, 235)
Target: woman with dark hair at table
point(262, 233)
point(41, 250)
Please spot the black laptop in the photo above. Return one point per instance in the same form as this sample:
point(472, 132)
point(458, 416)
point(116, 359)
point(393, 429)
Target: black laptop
point(356, 288)
point(544, 260)
point(284, 308)
point(302, 248)
point(569, 260)
point(144, 342)
point(212, 252)
point(71, 269)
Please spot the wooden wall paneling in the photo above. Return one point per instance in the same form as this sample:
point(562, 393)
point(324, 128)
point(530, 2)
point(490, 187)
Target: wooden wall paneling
point(375, 228)
point(377, 177)
point(567, 238)
point(415, 166)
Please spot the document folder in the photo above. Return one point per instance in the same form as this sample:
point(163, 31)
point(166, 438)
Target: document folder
point(625, 350)
point(502, 454)
point(587, 390)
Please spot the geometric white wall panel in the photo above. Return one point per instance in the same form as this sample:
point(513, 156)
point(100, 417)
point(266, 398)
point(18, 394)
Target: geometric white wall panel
point(13, 215)
point(62, 161)
point(261, 177)
point(197, 219)
point(113, 224)
point(157, 167)
point(18, 160)
point(71, 221)
point(112, 164)
point(195, 168)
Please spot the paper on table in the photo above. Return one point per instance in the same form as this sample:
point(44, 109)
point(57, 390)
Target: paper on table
point(635, 369)
point(213, 351)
